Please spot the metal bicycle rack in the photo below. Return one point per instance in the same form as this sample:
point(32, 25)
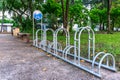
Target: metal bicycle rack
point(36, 40)
point(57, 44)
point(72, 53)
point(44, 43)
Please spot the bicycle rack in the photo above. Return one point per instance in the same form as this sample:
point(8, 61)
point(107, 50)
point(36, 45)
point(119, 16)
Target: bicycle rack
point(44, 43)
point(107, 65)
point(57, 44)
point(72, 53)
point(35, 42)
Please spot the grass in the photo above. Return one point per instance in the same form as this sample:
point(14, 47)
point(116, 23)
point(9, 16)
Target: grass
point(103, 42)
point(108, 42)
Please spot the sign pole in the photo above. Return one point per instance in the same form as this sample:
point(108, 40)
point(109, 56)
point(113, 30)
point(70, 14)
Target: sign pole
point(37, 15)
point(33, 32)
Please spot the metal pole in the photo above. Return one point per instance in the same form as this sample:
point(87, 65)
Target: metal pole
point(41, 31)
point(33, 32)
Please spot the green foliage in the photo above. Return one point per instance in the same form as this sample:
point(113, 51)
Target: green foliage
point(1, 6)
point(75, 10)
point(108, 42)
point(6, 21)
point(27, 25)
point(52, 11)
point(115, 16)
point(97, 14)
point(22, 11)
point(78, 14)
point(115, 3)
point(94, 15)
point(52, 7)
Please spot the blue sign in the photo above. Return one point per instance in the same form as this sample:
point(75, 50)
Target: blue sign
point(37, 15)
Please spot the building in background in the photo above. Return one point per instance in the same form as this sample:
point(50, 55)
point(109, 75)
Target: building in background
point(6, 27)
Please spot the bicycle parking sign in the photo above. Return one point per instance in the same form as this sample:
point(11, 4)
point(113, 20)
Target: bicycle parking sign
point(37, 15)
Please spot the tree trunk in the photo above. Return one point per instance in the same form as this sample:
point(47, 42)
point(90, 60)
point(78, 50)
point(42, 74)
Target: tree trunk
point(62, 2)
point(65, 13)
point(108, 16)
point(103, 26)
point(113, 23)
point(100, 24)
point(100, 27)
point(71, 24)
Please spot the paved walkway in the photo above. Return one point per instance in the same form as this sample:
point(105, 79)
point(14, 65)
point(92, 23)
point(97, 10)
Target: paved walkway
point(21, 61)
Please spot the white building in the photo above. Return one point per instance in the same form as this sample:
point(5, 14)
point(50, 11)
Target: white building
point(6, 27)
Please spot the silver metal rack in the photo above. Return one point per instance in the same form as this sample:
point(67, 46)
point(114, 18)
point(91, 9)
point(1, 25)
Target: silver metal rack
point(92, 63)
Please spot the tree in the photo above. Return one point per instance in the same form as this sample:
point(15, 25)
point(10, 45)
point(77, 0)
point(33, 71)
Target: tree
point(115, 13)
point(22, 9)
point(3, 11)
point(108, 13)
point(78, 14)
point(98, 16)
point(52, 10)
point(19, 8)
point(65, 11)
point(105, 3)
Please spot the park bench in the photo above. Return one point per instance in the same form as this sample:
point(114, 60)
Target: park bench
point(24, 36)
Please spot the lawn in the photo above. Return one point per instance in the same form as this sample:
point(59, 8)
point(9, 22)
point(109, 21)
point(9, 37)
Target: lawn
point(103, 42)
point(109, 43)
